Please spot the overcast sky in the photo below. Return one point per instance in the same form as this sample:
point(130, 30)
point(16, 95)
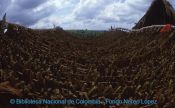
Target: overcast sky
point(75, 14)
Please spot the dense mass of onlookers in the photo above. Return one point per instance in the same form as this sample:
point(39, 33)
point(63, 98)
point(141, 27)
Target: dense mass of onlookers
point(50, 64)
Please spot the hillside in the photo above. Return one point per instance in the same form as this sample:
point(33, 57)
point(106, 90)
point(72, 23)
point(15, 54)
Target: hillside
point(52, 64)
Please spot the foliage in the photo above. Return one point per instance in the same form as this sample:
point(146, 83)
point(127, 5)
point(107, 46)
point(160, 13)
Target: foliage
point(86, 33)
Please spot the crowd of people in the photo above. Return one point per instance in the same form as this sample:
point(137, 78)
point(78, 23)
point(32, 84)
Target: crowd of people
point(50, 64)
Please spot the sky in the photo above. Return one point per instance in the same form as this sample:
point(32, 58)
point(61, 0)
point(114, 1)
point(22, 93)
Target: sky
point(75, 14)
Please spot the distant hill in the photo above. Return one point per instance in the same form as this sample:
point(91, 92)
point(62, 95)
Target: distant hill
point(86, 33)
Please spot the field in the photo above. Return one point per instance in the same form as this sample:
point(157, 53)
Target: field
point(86, 34)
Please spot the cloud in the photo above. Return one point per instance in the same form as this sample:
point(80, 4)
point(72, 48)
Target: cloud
point(172, 2)
point(24, 11)
point(61, 14)
point(88, 9)
point(120, 12)
point(28, 4)
point(75, 14)
point(127, 12)
point(4, 5)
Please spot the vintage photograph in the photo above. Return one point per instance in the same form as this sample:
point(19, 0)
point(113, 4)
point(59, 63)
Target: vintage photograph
point(87, 53)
